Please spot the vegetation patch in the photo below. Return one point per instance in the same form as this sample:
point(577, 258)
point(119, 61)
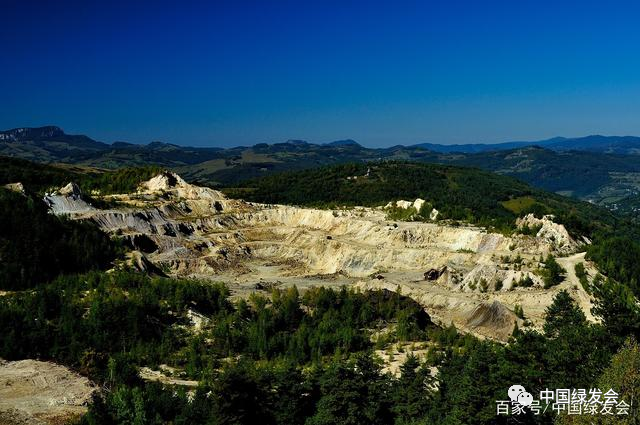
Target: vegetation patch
point(520, 204)
point(39, 178)
point(552, 273)
point(36, 246)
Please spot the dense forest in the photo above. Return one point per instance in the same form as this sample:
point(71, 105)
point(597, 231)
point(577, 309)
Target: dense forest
point(618, 257)
point(298, 359)
point(36, 246)
point(130, 314)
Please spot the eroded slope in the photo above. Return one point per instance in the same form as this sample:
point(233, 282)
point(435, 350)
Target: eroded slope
point(461, 274)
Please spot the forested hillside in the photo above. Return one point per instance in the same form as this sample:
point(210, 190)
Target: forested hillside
point(36, 246)
point(294, 359)
point(458, 193)
point(38, 178)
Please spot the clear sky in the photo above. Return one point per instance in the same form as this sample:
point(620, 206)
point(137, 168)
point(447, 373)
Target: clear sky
point(222, 73)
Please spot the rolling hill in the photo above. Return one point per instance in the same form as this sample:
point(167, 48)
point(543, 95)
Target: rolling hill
point(459, 193)
point(603, 170)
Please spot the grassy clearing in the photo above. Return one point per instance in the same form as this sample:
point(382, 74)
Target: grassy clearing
point(517, 205)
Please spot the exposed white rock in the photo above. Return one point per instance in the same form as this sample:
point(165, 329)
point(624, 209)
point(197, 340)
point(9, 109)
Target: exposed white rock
point(67, 200)
point(163, 181)
point(553, 232)
point(404, 204)
point(71, 189)
point(418, 203)
point(173, 184)
point(15, 187)
point(197, 320)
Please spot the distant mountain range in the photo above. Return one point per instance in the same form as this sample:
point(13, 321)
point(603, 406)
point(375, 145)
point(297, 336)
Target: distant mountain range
point(602, 169)
point(625, 145)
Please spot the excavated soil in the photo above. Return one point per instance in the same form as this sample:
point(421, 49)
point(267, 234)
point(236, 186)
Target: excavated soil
point(34, 392)
point(184, 230)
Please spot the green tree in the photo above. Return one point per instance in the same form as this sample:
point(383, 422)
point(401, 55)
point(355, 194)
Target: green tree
point(563, 313)
point(618, 308)
point(238, 398)
point(412, 392)
point(553, 273)
point(353, 393)
point(623, 376)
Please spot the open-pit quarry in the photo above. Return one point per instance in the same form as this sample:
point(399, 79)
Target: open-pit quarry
point(461, 274)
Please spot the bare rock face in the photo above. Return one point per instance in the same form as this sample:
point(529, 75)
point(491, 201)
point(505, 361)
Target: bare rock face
point(67, 200)
point(34, 392)
point(553, 232)
point(417, 205)
point(71, 189)
point(15, 187)
point(163, 181)
point(404, 204)
point(174, 185)
point(141, 263)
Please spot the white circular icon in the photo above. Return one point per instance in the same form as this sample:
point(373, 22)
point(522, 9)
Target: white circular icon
point(515, 391)
point(525, 399)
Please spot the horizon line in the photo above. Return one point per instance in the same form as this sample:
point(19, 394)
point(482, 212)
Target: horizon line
point(344, 141)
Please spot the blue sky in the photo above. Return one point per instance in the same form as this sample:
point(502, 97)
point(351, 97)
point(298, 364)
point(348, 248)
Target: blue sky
point(223, 73)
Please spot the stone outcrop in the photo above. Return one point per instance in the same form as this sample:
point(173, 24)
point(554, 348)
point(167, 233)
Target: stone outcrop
point(15, 187)
point(71, 189)
point(416, 205)
point(67, 200)
point(550, 231)
point(171, 183)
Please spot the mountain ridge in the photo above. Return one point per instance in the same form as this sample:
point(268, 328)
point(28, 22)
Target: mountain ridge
point(594, 142)
point(602, 169)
